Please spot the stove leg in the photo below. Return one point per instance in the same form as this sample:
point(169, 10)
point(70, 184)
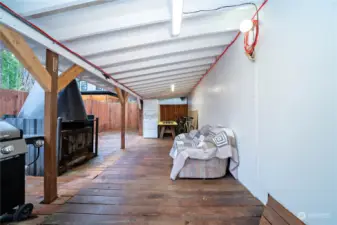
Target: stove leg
point(96, 136)
point(58, 143)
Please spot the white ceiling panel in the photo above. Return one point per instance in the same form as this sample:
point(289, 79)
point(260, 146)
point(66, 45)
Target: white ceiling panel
point(144, 34)
point(165, 84)
point(198, 70)
point(176, 66)
point(165, 88)
point(164, 60)
point(131, 40)
point(161, 49)
point(164, 80)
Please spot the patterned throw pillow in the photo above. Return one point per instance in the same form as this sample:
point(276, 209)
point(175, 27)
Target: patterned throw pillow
point(196, 141)
point(180, 145)
point(204, 130)
point(181, 137)
point(220, 139)
point(215, 130)
point(193, 133)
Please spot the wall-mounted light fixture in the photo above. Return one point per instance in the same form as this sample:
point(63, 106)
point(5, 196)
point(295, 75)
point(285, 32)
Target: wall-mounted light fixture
point(250, 30)
point(246, 26)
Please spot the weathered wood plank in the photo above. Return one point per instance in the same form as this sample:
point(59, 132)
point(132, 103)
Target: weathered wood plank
point(89, 219)
point(137, 190)
point(273, 217)
point(170, 184)
point(67, 76)
point(140, 118)
point(283, 212)
point(197, 212)
point(276, 214)
point(135, 186)
point(164, 200)
point(50, 123)
point(173, 112)
point(11, 101)
point(123, 107)
point(155, 193)
point(264, 221)
point(120, 95)
point(123, 98)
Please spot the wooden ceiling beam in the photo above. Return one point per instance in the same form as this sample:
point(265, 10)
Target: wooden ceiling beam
point(22, 51)
point(68, 76)
point(120, 94)
point(126, 96)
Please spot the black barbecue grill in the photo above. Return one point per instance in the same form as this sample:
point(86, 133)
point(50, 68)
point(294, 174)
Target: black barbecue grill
point(12, 174)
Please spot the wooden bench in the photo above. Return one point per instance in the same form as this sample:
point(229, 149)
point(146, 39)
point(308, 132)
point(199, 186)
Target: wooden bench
point(275, 214)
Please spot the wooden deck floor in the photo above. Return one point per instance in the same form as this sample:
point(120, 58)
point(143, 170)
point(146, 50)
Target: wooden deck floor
point(137, 190)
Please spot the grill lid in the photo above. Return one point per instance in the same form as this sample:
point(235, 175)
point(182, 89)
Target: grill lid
point(8, 131)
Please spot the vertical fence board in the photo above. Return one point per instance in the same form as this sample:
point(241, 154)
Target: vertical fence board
point(173, 112)
point(11, 101)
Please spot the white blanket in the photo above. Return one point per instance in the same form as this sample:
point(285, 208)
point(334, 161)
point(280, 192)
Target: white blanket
point(222, 145)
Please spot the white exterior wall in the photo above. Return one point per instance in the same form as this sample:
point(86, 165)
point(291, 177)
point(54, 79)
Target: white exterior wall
point(283, 107)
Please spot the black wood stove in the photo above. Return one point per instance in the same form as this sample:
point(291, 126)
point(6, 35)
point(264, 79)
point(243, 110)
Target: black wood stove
point(77, 133)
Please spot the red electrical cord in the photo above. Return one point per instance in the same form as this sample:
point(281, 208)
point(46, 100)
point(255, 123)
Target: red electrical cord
point(250, 48)
point(226, 49)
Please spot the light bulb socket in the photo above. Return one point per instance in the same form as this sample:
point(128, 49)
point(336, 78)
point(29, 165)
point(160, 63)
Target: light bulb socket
point(246, 26)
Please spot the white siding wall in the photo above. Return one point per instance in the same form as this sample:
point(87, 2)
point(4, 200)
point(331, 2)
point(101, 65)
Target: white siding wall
point(283, 107)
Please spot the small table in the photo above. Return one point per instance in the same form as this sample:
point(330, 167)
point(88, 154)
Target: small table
point(167, 127)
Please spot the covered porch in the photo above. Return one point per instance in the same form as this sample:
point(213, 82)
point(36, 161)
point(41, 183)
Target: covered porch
point(259, 75)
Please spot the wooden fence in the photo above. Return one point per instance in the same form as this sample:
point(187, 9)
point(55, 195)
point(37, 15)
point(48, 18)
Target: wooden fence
point(108, 112)
point(11, 101)
point(173, 112)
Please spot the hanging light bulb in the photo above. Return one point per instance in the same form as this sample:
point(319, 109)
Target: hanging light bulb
point(172, 87)
point(246, 26)
point(177, 15)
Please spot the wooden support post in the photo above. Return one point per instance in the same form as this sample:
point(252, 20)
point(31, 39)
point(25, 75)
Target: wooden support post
point(123, 124)
point(120, 94)
point(123, 98)
point(140, 119)
point(123, 118)
point(50, 123)
point(67, 76)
